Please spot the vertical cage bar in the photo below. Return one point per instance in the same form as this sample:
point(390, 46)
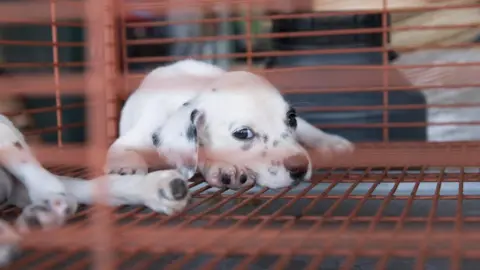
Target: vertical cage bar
point(114, 89)
point(56, 70)
point(385, 70)
point(456, 258)
point(248, 33)
point(123, 46)
point(123, 64)
point(101, 79)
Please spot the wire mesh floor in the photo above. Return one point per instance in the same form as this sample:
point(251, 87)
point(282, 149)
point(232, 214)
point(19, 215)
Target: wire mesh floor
point(409, 218)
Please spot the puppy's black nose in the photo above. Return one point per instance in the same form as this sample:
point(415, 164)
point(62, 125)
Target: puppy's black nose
point(296, 165)
point(226, 179)
point(179, 189)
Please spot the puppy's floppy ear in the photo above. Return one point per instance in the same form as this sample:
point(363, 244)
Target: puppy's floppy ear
point(177, 139)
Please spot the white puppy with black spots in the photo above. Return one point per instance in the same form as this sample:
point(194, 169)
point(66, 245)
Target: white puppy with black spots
point(235, 128)
point(44, 189)
point(31, 184)
point(161, 191)
point(47, 200)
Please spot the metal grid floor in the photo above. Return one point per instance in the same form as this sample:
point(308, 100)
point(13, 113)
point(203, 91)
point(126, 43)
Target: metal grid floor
point(364, 218)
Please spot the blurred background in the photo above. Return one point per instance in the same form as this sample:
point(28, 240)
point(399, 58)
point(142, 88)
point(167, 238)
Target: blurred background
point(350, 101)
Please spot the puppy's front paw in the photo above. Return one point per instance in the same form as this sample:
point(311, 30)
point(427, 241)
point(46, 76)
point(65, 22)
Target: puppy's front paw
point(167, 192)
point(10, 250)
point(332, 145)
point(222, 174)
point(126, 163)
point(49, 213)
point(62, 205)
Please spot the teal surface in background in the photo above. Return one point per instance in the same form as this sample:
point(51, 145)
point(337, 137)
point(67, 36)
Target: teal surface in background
point(44, 54)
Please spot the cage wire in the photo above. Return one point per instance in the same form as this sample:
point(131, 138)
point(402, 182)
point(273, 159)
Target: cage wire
point(400, 202)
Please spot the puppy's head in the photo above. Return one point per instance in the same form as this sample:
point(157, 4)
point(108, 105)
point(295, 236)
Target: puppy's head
point(241, 120)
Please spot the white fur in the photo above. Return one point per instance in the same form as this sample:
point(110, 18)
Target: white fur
point(241, 99)
point(142, 190)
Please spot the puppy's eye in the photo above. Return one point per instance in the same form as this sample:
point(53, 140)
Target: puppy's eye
point(243, 134)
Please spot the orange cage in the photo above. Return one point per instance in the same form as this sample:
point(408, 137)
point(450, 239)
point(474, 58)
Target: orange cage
point(398, 202)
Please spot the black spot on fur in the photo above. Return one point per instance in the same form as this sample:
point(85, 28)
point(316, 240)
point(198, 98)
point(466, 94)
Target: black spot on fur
point(285, 135)
point(186, 103)
point(18, 145)
point(272, 171)
point(247, 146)
point(156, 140)
point(33, 222)
point(31, 218)
point(291, 120)
point(45, 207)
point(191, 133)
point(265, 138)
point(275, 143)
point(193, 115)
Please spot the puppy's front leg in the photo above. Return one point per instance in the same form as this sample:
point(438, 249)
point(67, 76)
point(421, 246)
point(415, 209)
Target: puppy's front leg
point(10, 250)
point(124, 157)
point(164, 191)
point(43, 187)
point(315, 139)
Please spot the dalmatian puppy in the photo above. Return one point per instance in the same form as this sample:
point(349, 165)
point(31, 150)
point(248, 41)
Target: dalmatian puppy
point(31, 216)
point(31, 186)
point(45, 190)
point(48, 207)
point(235, 128)
point(162, 191)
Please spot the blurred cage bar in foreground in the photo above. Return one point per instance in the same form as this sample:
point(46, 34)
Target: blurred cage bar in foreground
point(406, 199)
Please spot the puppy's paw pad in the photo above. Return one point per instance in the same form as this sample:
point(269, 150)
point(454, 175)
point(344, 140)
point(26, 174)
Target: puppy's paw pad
point(127, 171)
point(61, 205)
point(39, 216)
point(126, 163)
point(172, 197)
point(178, 189)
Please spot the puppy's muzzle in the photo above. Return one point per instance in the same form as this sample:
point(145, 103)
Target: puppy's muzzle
point(297, 166)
